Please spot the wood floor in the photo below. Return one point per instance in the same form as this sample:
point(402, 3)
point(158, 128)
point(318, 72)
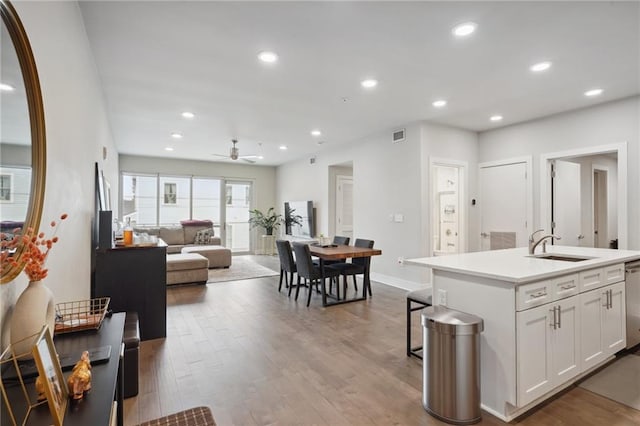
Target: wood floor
point(256, 357)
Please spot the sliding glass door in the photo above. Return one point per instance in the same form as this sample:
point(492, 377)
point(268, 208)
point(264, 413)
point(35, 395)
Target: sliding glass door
point(237, 206)
point(153, 200)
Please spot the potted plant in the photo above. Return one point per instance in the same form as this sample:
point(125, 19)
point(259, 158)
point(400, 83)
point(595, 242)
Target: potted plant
point(269, 221)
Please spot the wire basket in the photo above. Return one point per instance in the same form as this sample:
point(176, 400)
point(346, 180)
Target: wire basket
point(80, 315)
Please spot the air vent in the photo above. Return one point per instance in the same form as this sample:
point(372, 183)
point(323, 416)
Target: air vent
point(398, 136)
point(312, 160)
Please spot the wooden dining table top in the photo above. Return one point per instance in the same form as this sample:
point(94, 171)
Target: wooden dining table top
point(342, 252)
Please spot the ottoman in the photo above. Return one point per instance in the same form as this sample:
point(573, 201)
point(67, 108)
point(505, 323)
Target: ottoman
point(185, 268)
point(218, 256)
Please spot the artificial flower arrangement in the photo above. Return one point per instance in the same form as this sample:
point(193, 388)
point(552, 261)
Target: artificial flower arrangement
point(35, 253)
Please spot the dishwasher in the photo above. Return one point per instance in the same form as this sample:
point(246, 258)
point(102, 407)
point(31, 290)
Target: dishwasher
point(632, 280)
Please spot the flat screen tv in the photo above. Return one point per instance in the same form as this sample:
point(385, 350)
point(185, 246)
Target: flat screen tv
point(303, 209)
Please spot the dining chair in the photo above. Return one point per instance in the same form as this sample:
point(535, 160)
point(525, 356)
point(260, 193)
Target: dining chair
point(287, 264)
point(357, 266)
point(337, 240)
point(307, 270)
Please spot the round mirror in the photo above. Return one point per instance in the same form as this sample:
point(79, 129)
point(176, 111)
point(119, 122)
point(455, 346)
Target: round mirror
point(22, 138)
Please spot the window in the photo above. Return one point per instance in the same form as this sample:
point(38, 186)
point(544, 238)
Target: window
point(176, 200)
point(140, 199)
point(6, 188)
point(170, 195)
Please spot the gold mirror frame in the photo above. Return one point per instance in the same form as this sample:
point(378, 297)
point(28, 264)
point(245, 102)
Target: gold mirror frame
point(36, 119)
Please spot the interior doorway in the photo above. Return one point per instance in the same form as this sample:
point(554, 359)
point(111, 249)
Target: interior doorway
point(448, 208)
point(599, 219)
point(341, 201)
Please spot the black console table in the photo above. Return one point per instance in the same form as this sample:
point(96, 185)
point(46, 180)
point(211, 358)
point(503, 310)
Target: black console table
point(135, 278)
point(97, 407)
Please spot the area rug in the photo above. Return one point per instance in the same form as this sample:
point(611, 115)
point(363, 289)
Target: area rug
point(241, 268)
point(620, 381)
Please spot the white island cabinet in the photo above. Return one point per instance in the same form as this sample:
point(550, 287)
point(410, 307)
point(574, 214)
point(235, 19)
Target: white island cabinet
point(547, 322)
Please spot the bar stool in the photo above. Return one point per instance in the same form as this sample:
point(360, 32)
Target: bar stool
point(422, 298)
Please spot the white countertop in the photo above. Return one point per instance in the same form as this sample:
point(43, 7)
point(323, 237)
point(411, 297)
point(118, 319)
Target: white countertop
point(515, 265)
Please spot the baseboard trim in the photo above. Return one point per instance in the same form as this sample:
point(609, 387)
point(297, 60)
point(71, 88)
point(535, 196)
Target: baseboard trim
point(398, 282)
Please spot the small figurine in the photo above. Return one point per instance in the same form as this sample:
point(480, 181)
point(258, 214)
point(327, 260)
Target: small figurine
point(40, 389)
point(79, 381)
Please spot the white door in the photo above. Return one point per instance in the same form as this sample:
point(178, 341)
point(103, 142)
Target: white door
point(591, 334)
point(503, 202)
point(566, 213)
point(565, 340)
point(535, 376)
point(614, 320)
point(344, 206)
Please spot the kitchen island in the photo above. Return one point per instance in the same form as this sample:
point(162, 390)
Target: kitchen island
point(548, 321)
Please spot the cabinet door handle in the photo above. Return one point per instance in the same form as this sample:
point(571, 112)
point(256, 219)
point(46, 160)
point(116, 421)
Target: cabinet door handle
point(611, 298)
point(567, 287)
point(559, 317)
point(553, 324)
point(538, 295)
point(606, 300)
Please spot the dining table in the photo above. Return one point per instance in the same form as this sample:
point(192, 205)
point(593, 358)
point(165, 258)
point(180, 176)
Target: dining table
point(343, 252)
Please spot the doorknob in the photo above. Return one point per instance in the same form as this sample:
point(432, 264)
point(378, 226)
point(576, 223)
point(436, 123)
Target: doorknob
point(484, 235)
point(581, 237)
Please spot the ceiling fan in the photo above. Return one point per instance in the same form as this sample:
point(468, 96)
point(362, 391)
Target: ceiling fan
point(234, 154)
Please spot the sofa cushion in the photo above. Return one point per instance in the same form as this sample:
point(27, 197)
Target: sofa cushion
point(203, 236)
point(185, 261)
point(172, 235)
point(196, 222)
point(191, 231)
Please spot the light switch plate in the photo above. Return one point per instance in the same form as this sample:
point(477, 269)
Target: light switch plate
point(398, 217)
point(442, 297)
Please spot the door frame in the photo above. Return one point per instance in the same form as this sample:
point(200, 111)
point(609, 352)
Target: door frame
point(545, 183)
point(463, 222)
point(528, 160)
point(223, 211)
point(595, 168)
point(338, 181)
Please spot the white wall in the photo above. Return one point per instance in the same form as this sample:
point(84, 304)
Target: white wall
point(388, 179)
point(76, 130)
point(605, 124)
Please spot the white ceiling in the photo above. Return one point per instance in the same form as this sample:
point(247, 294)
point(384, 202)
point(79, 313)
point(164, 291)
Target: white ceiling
point(157, 59)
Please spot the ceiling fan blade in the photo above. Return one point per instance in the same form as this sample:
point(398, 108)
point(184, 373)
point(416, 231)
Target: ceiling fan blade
point(246, 160)
point(250, 156)
point(220, 155)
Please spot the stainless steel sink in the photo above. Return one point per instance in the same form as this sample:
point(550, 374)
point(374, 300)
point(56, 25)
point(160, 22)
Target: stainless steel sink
point(561, 257)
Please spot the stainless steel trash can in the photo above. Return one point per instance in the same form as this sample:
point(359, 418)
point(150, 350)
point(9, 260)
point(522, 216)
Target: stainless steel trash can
point(451, 365)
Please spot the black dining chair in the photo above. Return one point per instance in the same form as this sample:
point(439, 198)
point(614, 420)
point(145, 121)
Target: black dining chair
point(337, 240)
point(307, 270)
point(287, 264)
point(357, 266)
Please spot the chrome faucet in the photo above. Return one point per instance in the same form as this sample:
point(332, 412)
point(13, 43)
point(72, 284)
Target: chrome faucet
point(533, 243)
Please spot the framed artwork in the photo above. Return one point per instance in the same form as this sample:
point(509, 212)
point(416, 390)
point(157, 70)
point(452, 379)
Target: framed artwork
point(99, 182)
point(55, 388)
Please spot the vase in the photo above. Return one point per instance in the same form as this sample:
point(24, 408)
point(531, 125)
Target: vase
point(34, 308)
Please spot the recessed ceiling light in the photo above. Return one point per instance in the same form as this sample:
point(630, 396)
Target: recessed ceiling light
point(268, 57)
point(283, 147)
point(168, 148)
point(495, 118)
point(540, 66)
point(188, 114)
point(439, 103)
point(593, 92)
point(7, 87)
point(464, 29)
point(316, 133)
point(176, 135)
point(369, 83)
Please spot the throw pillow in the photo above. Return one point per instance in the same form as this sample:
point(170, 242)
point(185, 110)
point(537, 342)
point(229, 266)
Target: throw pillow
point(203, 236)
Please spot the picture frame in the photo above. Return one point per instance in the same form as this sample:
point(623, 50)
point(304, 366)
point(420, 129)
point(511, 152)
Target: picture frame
point(48, 365)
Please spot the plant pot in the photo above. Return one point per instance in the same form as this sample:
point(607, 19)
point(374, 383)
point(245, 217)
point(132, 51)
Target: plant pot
point(34, 308)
